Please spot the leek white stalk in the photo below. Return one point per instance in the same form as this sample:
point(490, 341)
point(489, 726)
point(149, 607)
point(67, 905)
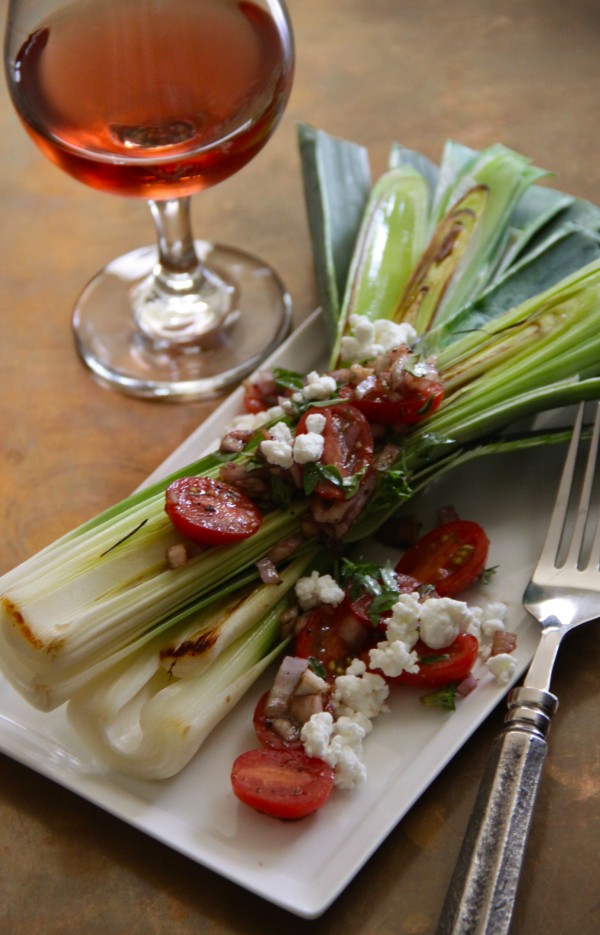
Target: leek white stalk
point(141, 721)
point(192, 650)
point(69, 614)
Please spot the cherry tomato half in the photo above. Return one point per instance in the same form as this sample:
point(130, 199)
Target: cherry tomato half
point(348, 444)
point(282, 783)
point(450, 557)
point(210, 511)
point(386, 407)
point(360, 605)
point(263, 728)
point(334, 636)
point(266, 734)
point(439, 667)
point(253, 399)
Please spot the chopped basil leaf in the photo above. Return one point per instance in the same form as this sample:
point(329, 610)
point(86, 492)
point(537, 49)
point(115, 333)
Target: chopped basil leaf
point(392, 489)
point(487, 574)
point(373, 579)
point(434, 657)
point(444, 697)
point(288, 379)
point(314, 473)
point(316, 666)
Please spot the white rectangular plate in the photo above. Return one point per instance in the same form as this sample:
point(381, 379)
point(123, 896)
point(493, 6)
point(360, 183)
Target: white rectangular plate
point(303, 866)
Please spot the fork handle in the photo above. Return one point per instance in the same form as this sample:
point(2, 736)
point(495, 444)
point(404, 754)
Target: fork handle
point(482, 891)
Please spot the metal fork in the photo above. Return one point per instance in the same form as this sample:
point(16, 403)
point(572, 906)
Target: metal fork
point(564, 591)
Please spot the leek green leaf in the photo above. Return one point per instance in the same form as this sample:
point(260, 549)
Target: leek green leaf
point(337, 182)
point(390, 240)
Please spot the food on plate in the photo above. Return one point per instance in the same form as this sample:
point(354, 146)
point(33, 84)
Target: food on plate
point(457, 300)
point(210, 511)
point(450, 557)
point(282, 783)
point(356, 640)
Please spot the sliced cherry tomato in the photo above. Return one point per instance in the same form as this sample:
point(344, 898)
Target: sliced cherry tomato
point(439, 667)
point(334, 636)
point(282, 783)
point(450, 557)
point(388, 407)
point(263, 727)
point(266, 734)
point(360, 605)
point(348, 444)
point(210, 511)
point(253, 399)
point(263, 392)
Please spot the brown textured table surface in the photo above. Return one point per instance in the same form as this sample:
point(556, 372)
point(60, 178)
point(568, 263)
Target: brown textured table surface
point(523, 72)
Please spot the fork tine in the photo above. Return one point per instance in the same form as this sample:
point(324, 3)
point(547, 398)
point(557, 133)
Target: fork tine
point(583, 513)
point(561, 504)
point(583, 506)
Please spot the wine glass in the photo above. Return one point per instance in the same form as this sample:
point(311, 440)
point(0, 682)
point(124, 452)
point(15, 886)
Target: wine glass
point(158, 99)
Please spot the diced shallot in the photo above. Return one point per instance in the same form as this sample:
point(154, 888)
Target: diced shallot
point(365, 386)
point(287, 728)
point(468, 684)
point(234, 441)
point(311, 684)
point(267, 571)
point(177, 555)
point(503, 642)
point(302, 707)
point(285, 548)
point(288, 675)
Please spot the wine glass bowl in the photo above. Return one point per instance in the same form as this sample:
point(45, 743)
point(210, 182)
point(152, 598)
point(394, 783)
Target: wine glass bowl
point(159, 99)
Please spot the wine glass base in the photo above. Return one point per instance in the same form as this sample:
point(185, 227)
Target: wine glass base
point(120, 356)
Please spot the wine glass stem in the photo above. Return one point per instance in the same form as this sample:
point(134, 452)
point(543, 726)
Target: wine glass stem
point(176, 250)
point(182, 300)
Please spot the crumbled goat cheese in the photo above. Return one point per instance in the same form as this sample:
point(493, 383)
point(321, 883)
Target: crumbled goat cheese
point(308, 447)
point(359, 692)
point(278, 447)
point(393, 657)
point(316, 734)
point(442, 619)
point(319, 387)
point(345, 753)
point(281, 432)
point(502, 666)
point(315, 422)
point(277, 452)
point(369, 338)
point(487, 621)
point(358, 697)
point(318, 589)
point(339, 744)
point(403, 624)
point(250, 421)
point(282, 449)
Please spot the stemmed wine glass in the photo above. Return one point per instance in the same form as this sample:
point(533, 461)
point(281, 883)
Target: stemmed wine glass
point(158, 99)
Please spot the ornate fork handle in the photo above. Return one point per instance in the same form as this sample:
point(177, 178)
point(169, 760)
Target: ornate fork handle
point(482, 891)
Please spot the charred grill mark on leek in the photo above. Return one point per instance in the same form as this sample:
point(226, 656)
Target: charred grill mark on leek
point(440, 262)
point(124, 538)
